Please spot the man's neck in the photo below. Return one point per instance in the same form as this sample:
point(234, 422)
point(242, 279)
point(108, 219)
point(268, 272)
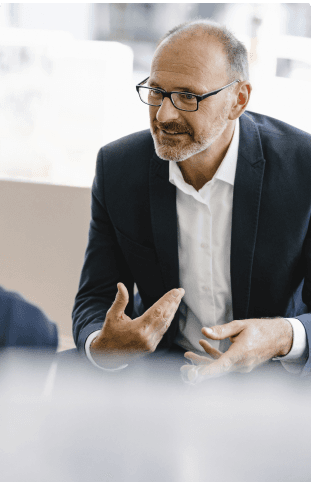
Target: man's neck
point(200, 168)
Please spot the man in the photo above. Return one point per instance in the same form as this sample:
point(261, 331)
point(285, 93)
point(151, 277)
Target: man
point(215, 200)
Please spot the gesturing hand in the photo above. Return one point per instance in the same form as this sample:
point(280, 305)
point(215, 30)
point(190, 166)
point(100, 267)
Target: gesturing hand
point(122, 338)
point(254, 341)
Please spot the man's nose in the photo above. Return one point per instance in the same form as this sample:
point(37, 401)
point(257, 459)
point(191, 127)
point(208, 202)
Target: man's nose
point(167, 111)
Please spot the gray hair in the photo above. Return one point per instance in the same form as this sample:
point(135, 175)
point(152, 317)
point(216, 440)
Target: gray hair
point(235, 50)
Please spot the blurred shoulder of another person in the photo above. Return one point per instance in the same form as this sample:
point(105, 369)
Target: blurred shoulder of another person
point(23, 325)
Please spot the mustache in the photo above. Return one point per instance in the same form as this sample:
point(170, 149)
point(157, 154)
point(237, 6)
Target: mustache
point(173, 126)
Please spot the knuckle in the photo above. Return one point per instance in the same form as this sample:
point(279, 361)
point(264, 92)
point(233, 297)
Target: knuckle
point(157, 312)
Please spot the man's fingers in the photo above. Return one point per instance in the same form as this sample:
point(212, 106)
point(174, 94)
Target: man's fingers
point(219, 332)
point(197, 359)
point(196, 374)
point(214, 353)
point(189, 373)
point(218, 368)
point(168, 304)
point(120, 301)
point(163, 311)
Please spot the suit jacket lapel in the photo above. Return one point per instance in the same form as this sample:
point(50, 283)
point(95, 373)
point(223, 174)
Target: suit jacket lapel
point(164, 221)
point(246, 204)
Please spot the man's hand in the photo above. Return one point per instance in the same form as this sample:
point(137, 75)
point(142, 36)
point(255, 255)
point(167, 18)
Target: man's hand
point(122, 338)
point(254, 341)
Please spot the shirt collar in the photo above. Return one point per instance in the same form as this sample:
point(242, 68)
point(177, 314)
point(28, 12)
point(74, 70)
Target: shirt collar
point(225, 172)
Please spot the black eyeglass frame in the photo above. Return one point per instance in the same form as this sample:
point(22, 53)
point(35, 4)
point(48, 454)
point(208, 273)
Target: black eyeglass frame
point(169, 94)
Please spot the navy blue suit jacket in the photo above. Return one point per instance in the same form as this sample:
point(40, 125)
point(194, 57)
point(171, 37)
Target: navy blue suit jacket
point(23, 325)
point(133, 230)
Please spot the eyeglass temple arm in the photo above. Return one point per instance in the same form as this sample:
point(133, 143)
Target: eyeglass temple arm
point(216, 92)
point(142, 82)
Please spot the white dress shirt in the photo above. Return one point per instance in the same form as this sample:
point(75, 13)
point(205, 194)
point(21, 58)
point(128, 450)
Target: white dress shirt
point(204, 220)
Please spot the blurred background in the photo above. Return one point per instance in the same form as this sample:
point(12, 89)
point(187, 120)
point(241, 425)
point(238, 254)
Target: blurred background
point(68, 75)
point(67, 86)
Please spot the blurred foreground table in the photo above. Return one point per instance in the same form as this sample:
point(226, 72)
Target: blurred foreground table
point(147, 425)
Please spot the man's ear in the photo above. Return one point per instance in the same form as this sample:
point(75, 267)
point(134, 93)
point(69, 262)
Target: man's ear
point(241, 100)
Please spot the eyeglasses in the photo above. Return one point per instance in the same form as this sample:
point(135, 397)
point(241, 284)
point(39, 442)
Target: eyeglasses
point(184, 101)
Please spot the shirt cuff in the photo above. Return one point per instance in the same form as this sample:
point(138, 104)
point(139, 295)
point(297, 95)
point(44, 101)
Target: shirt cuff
point(88, 342)
point(296, 358)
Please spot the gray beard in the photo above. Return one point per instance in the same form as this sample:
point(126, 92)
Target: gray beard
point(175, 153)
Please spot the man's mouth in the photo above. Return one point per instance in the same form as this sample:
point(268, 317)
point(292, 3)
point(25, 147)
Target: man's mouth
point(172, 133)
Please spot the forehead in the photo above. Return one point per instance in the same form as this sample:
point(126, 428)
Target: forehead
point(186, 61)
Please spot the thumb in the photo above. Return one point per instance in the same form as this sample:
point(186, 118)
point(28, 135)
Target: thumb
point(121, 300)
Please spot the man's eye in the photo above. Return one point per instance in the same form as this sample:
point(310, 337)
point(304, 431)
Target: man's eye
point(187, 97)
point(155, 93)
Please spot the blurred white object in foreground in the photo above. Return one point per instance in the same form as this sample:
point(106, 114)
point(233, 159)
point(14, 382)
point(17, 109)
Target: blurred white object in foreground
point(148, 426)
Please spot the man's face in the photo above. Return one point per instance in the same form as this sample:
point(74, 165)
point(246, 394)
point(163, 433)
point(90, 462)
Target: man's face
point(197, 65)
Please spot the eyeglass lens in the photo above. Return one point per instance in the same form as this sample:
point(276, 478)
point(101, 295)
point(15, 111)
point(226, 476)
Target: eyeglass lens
point(183, 100)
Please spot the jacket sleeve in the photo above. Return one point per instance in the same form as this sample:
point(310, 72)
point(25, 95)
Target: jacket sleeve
point(104, 266)
point(24, 325)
